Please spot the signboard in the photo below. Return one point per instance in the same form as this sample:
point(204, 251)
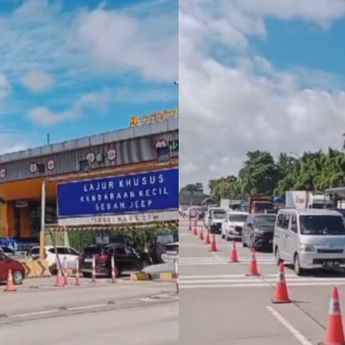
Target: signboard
point(152, 118)
point(120, 219)
point(150, 192)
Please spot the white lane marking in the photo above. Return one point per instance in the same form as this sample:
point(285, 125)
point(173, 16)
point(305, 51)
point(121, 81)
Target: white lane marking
point(246, 285)
point(299, 336)
point(36, 313)
point(92, 306)
point(185, 277)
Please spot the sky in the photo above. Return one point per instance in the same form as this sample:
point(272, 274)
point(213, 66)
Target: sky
point(258, 75)
point(82, 67)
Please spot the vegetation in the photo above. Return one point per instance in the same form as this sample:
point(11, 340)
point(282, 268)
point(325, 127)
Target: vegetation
point(263, 175)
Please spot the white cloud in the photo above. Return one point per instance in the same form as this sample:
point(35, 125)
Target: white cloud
point(45, 116)
point(5, 87)
point(118, 41)
point(38, 81)
point(82, 43)
point(227, 110)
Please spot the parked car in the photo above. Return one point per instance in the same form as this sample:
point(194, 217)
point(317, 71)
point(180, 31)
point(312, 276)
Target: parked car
point(70, 254)
point(258, 231)
point(171, 252)
point(7, 264)
point(233, 224)
point(310, 239)
point(126, 259)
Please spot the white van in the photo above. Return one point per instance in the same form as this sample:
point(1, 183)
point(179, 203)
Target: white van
point(310, 239)
point(214, 218)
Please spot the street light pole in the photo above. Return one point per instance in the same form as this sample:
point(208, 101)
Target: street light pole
point(43, 220)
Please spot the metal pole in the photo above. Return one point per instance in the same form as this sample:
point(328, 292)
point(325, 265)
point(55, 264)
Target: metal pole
point(43, 220)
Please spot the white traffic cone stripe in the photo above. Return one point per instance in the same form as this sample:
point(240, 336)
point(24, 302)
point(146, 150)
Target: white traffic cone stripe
point(334, 307)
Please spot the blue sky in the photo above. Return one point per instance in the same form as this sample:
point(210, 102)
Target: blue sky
point(259, 75)
point(75, 68)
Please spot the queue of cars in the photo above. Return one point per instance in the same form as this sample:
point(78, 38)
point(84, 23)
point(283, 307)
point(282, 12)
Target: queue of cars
point(126, 259)
point(305, 238)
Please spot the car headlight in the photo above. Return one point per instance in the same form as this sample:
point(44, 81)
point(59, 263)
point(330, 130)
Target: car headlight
point(307, 247)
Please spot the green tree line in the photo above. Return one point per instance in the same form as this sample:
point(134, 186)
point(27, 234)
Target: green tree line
point(263, 175)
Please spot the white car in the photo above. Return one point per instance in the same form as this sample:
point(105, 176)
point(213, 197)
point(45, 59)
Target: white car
point(171, 252)
point(64, 253)
point(233, 224)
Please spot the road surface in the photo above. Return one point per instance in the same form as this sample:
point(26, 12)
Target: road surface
point(127, 312)
point(220, 305)
point(152, 325)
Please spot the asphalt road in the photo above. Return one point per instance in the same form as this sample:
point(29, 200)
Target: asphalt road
point(219, 304)
point(127, 312)
point(150, 325)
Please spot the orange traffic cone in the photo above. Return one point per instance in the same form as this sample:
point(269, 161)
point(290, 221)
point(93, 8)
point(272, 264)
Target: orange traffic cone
point(335, 331)
point(234, 254)
point(253, 271)
point(281, 294)
point(208, 238)
point(10, 285)
point(213, 244)
point(201, 235)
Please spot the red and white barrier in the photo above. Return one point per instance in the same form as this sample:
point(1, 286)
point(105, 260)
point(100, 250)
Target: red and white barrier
point(113, 272)
point(177, 279)
point(77, 274)
point(65, 270)
point(94, 268)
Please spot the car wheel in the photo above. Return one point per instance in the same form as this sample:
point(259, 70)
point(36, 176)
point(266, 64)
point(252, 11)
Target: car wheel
point(223, 236)
point(297, 267)
point(18, 277)
point(278, 260)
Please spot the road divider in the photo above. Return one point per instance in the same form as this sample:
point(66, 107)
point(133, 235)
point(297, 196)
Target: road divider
point(140, 276)
point(35, 268)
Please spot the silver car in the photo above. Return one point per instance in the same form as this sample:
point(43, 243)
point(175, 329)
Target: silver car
point(310, 239)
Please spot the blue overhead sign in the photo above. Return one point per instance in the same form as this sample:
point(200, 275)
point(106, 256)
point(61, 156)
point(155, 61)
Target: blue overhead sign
point(139, 193)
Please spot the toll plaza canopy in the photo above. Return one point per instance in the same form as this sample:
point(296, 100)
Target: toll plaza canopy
point(148, 148)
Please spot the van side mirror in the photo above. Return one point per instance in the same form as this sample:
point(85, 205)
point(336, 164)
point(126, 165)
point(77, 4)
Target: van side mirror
point(293, 228)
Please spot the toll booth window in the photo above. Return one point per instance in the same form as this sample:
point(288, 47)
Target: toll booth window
point(163, 154)
point(84, 165)
point(41, 168)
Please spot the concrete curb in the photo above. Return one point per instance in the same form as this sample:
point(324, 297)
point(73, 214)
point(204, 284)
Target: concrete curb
point(140, 276)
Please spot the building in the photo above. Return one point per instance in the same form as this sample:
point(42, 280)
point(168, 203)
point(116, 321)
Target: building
point(149, 145)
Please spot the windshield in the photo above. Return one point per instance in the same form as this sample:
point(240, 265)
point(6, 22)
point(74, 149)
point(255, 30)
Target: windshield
point(262, 206)
point(93, 250)
point(238, 217)
point(171, 247)
point(219, 214)
point(265, 221)
point(322, 225)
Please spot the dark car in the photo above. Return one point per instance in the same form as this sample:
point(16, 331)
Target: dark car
point(258, 231)
point(126, 259)
point(7, 264)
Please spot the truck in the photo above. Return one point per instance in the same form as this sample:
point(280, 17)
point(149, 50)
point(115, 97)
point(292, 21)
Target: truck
point(261, 204)
point(301, 199)
point(230, 204)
